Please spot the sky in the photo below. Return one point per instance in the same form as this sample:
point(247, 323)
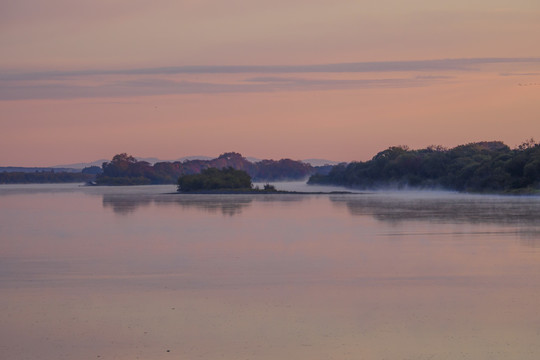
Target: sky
point(339, 80)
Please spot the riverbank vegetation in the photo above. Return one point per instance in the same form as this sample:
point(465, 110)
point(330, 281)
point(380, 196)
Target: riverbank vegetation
point(124, 169)
point(482, 167)
point(44, 177)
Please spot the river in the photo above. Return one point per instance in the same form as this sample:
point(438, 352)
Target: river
point(144, 273)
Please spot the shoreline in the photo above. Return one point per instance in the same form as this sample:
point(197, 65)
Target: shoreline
point(262, 192)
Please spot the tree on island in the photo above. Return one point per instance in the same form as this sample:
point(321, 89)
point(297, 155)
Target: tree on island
point(215, 179)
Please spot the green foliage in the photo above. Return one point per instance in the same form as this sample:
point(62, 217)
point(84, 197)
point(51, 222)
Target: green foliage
point(215, 179)
point(476, 167)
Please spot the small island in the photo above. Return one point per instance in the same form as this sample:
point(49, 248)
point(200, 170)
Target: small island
point(214, 179)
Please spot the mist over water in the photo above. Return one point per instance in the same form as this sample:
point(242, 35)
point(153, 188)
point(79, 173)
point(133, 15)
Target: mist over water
point(142, 272)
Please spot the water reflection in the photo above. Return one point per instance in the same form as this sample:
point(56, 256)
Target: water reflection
point(530, 238)
point(287, 277)
point(510, 214)
point(227, 205)
point(444, 208)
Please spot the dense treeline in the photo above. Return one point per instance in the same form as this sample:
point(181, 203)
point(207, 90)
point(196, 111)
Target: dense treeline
point(36, 169)
point(475, 167)
point(215, 179)
point(284, 169)
point(44, 177)
point(124, 169)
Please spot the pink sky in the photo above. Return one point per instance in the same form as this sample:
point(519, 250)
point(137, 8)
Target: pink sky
point(341, 80)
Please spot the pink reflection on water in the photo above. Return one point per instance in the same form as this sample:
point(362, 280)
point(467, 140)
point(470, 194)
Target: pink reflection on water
point(282, 277)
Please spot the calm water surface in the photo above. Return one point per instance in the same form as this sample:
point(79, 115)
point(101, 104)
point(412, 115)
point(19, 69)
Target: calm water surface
point(136, 273)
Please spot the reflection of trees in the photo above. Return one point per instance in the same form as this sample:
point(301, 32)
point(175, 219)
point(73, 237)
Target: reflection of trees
point(229, 205)
point(530, 238)
point(520, 216)
point(447, 209)
point(123, 205)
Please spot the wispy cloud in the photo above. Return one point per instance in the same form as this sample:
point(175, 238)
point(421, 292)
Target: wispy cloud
point(295, 83)
point(434, 77)
point(161, 81)
point(150, 87)
point(357, 67)
point(521, 74)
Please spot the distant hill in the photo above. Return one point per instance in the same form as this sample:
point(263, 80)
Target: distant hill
point(252, 159)
point(80, 166)
point(151, 160)
point(320, 162)
point(194, 157)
